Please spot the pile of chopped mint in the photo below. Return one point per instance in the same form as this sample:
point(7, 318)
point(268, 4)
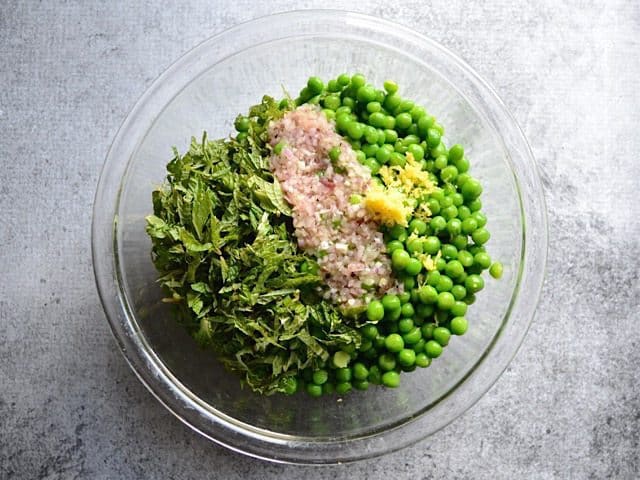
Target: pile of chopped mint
point(223, 244)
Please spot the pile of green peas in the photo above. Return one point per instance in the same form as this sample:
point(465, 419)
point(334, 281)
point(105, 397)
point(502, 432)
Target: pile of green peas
point(402, 332)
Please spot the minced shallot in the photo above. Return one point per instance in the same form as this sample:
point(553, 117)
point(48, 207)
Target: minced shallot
point(328, 222)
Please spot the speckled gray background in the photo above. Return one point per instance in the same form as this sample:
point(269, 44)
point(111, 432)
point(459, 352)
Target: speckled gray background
point(567, 407)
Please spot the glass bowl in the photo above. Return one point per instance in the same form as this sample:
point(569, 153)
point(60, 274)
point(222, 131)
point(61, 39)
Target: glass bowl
point(205, 90)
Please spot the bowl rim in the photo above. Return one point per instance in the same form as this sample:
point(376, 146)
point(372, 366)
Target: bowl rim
point(149, 368)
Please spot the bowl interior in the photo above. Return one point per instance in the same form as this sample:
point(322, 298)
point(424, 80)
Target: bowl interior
point(210, 102)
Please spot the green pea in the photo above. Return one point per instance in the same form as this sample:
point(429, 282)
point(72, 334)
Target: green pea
point(375, 376)
point(391, 303)
point(405, 325)
point(390, 136)
point(397, 160)
point(480, 236)
point(383, 154)
point(460, 242)
point(454, 268)
point(394, 343)
point(369, 331)
point(242, 124)
point(279, 147)
point(433, 349)
point(330, 114)
point(471, 189)
point(389, 122)
point(375, 311)
point(361, 157)
point(343, 120)
point(459, 307)
point(406, 357)
point(462, 165)
point(373, 107)
point(391, 379)
point(366, 94)
point(424, 124)
point(372, 165)
point(428, 294)
point(470, 299)
point(422, 360)
point(431, 244)
point(445, 284)
point(343, 388)
point(365, 345)
point(456, 152)
point(355, 130)
point(465, 258)
point(440, 162)
point(414, 246)
point(458, 292)
point(334, 153)
point(459, 325)
point(349, 102)
point(449, 252)
point(449, 173)
point(390, 86)
point(360, 371)
point(441, 263)
point(377, 119)
point(360, 384)
point(413, 336)
point(394, 245)
point(433, 138)
point(387, 361)
point(403, 121)
point(314, 390)
point(418, 226)
point(427, 331)
point(449, 212)
point(333, 86)
point(343, 374)
point(320, 377)
point(407, 310)
point(392, 101)
point(332, 102)
point(413, 267)
point(440, 150)
point(463, 212)
point(482, 259)
point(371, 136)
point(445, 300)
point(417, 151)
point(480, 218)
point(404, 297)
point(400, 259)
point(442, 335)
point(454, 226)
point(474, 283)
point(370, 150)
point(358, 80)
point(474, 205)
point(417, 113)
point(344, 80)
point(437, 223)
point(315, 85)
point(496, 270)
point(469, 225)
point(433, 278)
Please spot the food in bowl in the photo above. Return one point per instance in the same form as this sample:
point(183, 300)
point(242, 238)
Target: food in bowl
point(333, 243)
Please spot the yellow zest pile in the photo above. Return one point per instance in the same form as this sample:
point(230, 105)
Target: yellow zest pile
point(397, 200)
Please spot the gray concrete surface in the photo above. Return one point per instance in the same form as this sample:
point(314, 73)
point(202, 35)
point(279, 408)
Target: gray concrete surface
point(567, 407)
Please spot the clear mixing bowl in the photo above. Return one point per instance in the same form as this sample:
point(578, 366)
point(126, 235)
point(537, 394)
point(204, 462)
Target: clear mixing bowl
point(205, 90)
